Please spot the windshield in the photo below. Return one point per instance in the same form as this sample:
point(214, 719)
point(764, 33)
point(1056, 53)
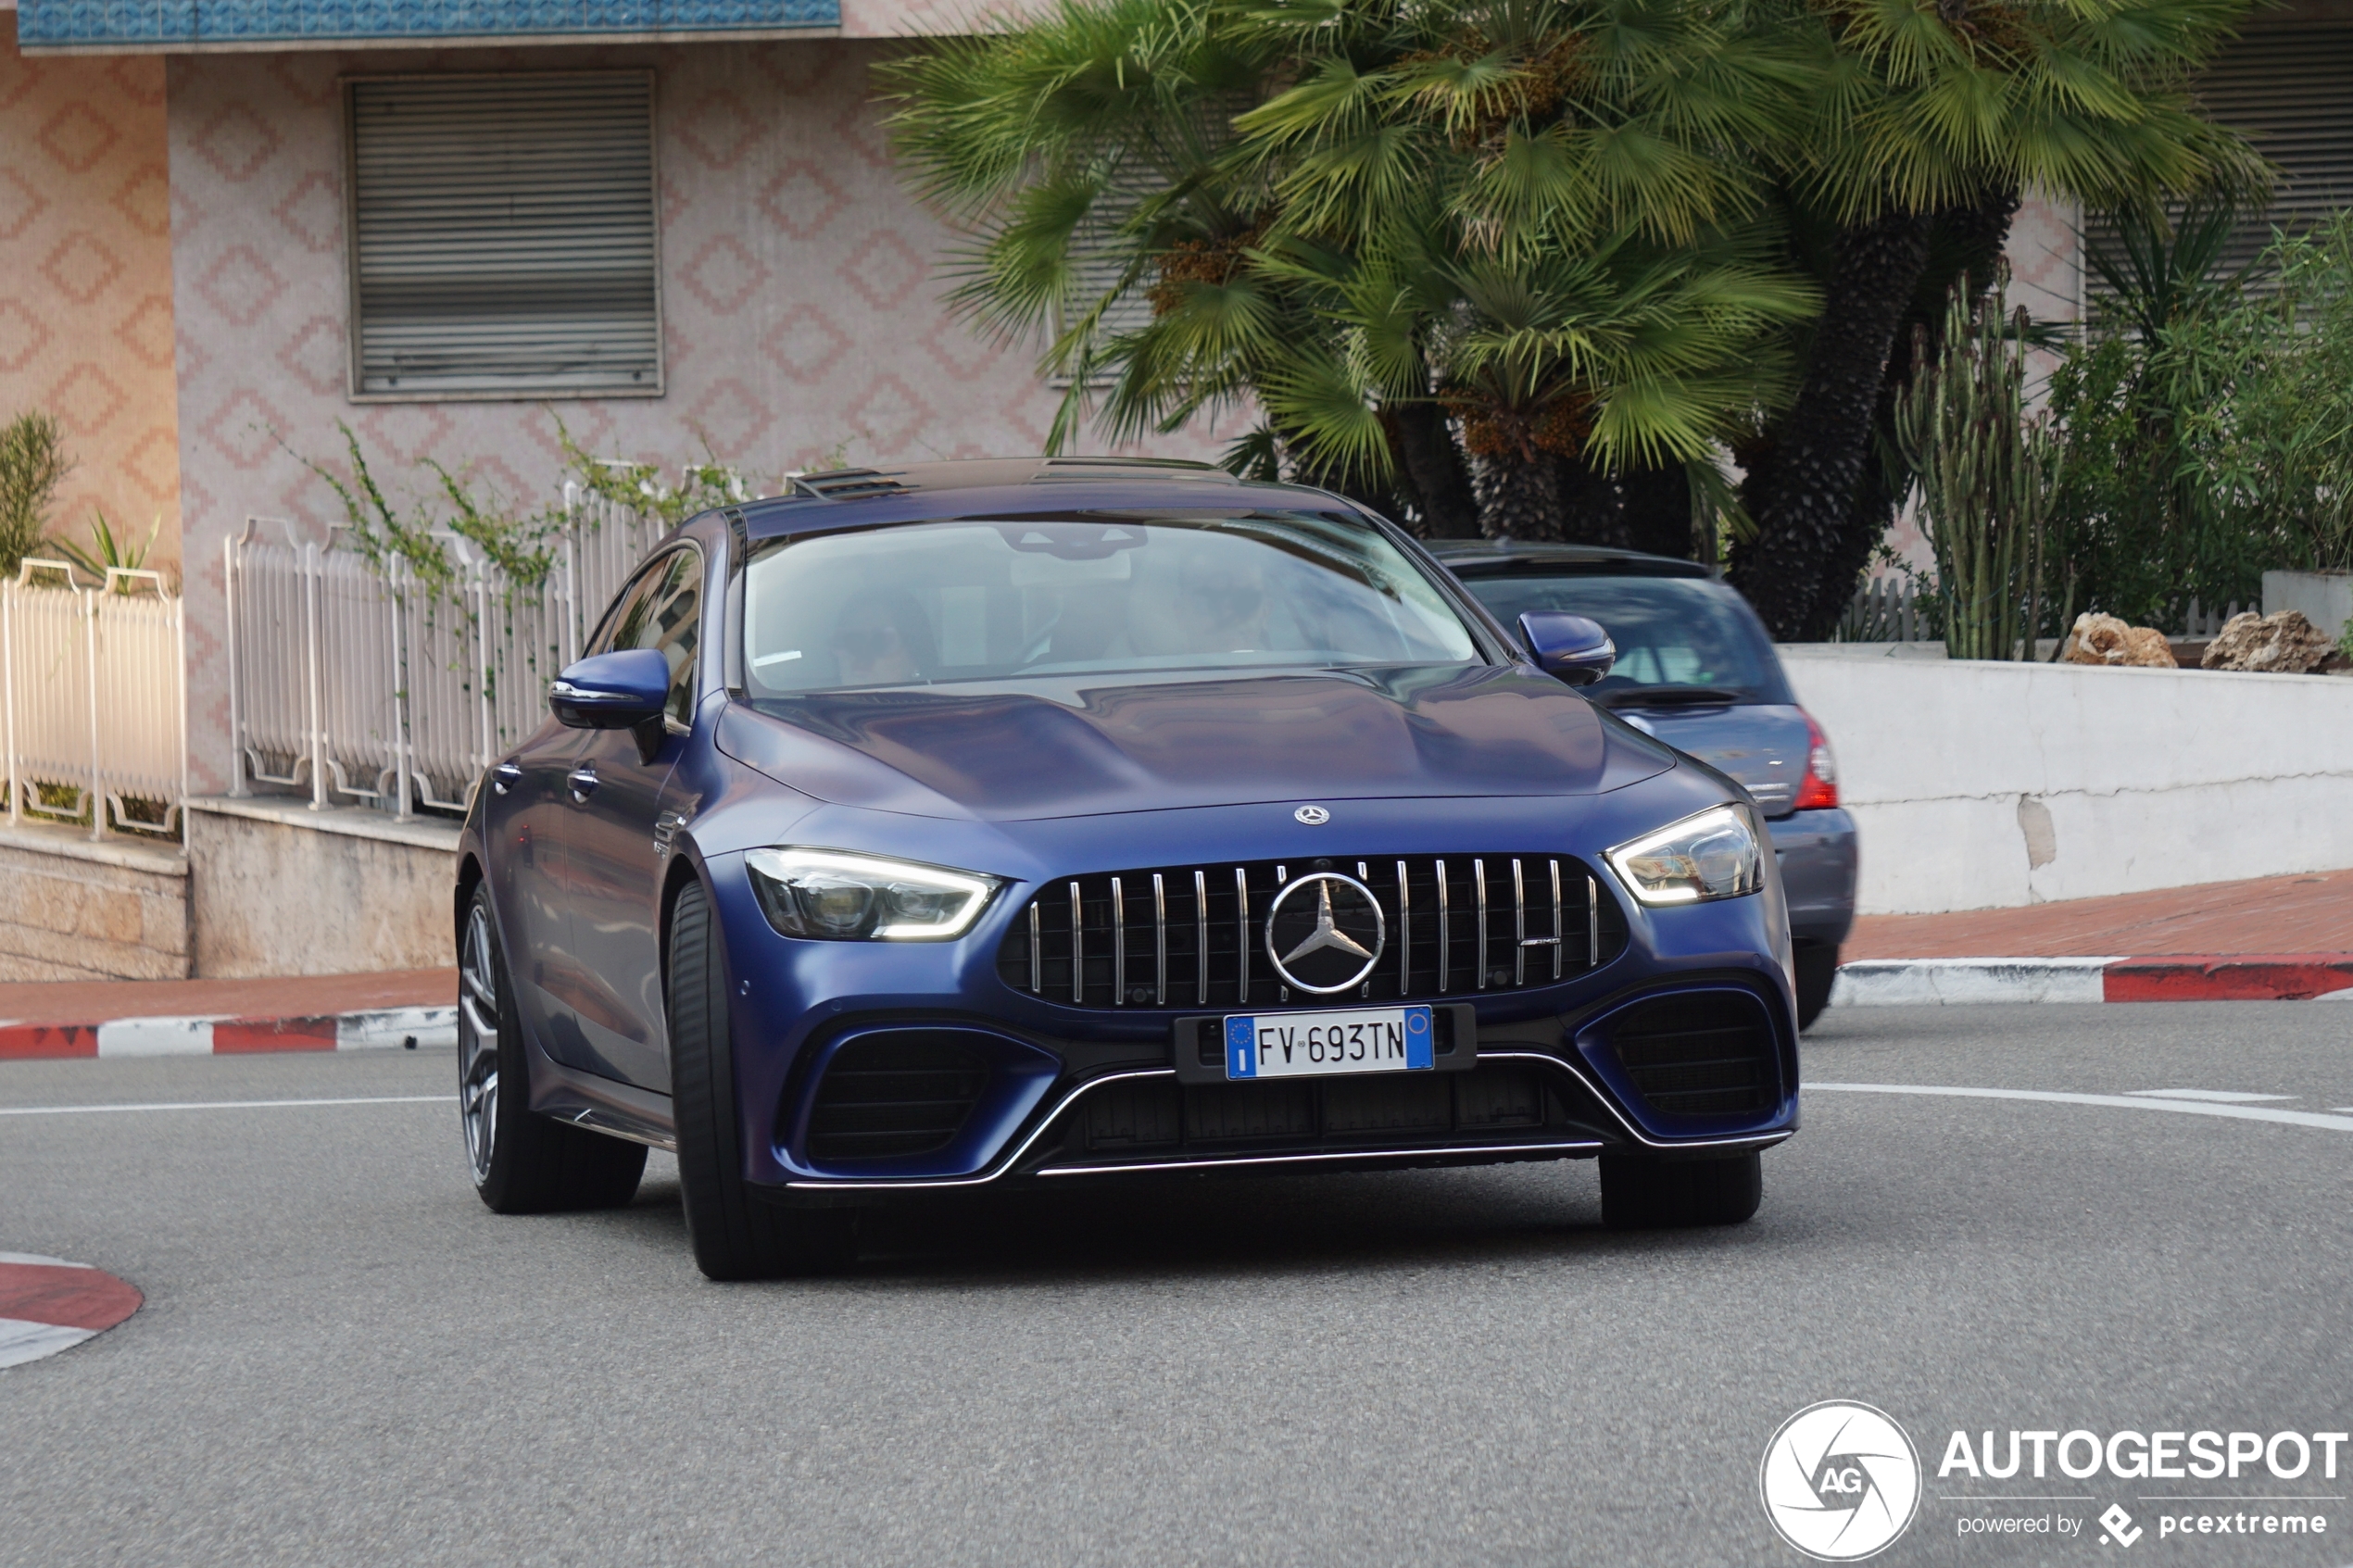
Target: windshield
point(1669, 631)
point(989, 598)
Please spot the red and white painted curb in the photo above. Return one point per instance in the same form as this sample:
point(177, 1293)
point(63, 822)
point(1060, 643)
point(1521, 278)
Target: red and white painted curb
point(383, 1027)
point(2221, 977)
point(48, 1305)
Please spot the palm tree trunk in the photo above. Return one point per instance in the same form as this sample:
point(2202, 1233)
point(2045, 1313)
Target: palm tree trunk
point(1802, 488)
point(1434, 476)
point(1658, 511)
point(1965, 242)
point(1518, 498)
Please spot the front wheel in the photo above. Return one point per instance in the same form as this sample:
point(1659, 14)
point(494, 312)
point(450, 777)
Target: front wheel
point(736, 1235)
point(521, 1163)
point(1641, 1193)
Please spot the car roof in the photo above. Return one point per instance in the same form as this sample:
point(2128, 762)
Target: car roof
point(917, 492)
point(1516, 557)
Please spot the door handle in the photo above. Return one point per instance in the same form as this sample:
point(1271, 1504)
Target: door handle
point(583, 780)
point(505, 777)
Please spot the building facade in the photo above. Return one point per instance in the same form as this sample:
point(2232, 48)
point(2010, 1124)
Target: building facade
point(230, 228)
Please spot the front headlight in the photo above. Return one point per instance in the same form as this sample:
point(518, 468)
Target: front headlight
point(1713, 855)
point(840, 896)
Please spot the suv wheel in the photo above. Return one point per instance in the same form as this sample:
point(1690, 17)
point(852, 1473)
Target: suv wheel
point(1641, 1193)
point(521, 1163)
point(736, 1235)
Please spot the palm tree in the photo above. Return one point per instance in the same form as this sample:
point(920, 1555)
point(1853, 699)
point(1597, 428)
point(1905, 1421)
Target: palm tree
point(1486, 259)
point(1936, 118)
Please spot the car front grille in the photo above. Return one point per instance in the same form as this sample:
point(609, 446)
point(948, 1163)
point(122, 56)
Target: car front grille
point(1705, 1055)
point(1195, 937)
point(894, 1094)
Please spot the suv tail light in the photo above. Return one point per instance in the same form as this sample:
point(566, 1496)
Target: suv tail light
point(1820, 786)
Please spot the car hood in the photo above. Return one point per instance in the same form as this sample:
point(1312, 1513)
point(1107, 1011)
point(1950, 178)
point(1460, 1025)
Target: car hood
point(1762, 745)
point(1049, 749)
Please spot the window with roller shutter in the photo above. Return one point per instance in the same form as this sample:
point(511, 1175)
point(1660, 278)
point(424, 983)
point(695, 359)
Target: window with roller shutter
point(2290, 88)
point(503, 237)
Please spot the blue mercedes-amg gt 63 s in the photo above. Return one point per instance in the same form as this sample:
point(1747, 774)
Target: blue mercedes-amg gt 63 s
point(987, 824)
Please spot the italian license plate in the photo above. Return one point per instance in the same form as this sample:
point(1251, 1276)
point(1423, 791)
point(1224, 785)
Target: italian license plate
point(1312, 1045)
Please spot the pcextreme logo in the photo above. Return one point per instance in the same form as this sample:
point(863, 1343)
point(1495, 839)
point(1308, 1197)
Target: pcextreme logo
point(1840, 1481)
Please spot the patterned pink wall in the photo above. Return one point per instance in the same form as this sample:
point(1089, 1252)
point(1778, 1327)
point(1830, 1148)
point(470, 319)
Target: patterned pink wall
point(800, 300)
point(85, 247)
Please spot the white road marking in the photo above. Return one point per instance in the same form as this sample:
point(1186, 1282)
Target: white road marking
point(22, 1341)
point(2127, 1103)
point(37, 1258)
point(2220, 1096)
point(219, 1104)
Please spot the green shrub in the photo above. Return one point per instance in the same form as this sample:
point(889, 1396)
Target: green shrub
point(33, 463)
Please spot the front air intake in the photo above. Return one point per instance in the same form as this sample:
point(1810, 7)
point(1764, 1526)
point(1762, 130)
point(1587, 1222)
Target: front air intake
point(888, 1097)
point(1707, 1054)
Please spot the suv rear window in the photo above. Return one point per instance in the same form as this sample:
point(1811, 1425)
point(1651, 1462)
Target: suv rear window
point(1669, 631)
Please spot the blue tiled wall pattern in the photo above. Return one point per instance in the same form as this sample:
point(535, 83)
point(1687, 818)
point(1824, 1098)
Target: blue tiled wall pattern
point(242, 22)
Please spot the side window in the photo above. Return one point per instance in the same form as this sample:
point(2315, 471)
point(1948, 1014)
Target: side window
point(665, 613)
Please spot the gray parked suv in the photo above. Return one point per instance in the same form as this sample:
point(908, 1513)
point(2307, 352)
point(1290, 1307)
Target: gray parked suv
point(1696, 669)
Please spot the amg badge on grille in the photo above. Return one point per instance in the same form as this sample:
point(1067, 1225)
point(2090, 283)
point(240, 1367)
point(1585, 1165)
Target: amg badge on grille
point(1325, 933)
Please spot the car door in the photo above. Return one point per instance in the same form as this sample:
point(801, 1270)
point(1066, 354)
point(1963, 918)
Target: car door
point(526, 819)
point(614, 864)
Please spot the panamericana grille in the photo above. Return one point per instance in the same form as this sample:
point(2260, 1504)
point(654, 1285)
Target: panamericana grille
point(1195, 937)
point(894, 1094)
point(1706, 1054)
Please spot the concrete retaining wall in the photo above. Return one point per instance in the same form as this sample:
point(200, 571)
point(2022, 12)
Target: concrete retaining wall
point(74, 909)
point(1984, 786)
point(279, 889)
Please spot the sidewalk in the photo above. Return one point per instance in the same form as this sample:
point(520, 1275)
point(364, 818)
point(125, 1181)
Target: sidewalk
point(2270, 939)
point(321, 1012)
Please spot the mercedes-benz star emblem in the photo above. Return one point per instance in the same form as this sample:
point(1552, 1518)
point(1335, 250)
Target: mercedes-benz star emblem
point(1328, 941)
point(1313, 816)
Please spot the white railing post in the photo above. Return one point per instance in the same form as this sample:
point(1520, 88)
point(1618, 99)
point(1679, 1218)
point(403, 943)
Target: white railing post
point(88, 604)
point(236, 671)
point(9, 694)
point(310, 569)
point(396, 583)
point(180, 707)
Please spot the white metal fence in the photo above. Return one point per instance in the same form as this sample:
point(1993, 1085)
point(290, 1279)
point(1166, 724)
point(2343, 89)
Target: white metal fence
point(92, 682)
point(359, 681)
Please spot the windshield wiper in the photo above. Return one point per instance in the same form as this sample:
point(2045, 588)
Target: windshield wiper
point(1668, 696)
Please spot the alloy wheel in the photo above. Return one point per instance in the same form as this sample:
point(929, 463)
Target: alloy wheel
point(478, 1042)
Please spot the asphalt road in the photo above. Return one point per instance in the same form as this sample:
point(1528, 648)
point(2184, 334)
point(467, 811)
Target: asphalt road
point(346, 1359)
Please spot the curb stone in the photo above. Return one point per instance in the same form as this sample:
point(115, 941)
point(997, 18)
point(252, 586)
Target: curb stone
point(2173, 977)
point(379, 1028)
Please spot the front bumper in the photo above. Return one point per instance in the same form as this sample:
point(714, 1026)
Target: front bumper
point(1039, 1093)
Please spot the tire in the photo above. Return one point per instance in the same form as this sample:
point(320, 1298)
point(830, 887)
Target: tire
point(736, 1235)
point(1817, 966)
point(1641, 1194)
point(521, 1163)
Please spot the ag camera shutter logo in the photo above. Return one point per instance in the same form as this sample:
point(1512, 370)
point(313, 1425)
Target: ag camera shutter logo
point(1841, 1481)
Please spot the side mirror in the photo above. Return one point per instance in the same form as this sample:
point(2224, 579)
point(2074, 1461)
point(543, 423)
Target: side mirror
point(612, 691)
point(1570, 647)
